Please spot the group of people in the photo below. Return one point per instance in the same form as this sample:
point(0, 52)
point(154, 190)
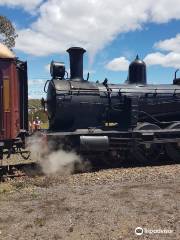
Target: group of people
point(35, 125)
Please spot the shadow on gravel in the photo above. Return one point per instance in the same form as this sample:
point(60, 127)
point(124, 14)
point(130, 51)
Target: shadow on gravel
point(97, 164)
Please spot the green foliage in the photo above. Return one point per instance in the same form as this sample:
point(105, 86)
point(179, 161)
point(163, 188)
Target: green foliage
point(36, 103)
point(36, 110)
point(7, 32)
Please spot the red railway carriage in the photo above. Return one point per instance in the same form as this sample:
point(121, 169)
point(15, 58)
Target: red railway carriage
point(13, 103)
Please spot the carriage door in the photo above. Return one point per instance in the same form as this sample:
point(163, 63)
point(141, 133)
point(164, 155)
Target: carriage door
point(1, 106)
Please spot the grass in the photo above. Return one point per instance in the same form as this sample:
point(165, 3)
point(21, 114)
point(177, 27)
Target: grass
point(45, 125)
point(6, 187)
point(13, 186)
point(40, 222)
point(19, 185)
point(34, 195)
point(35, 103)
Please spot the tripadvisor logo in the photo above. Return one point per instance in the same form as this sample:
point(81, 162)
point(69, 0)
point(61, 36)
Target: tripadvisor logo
point(139, 231)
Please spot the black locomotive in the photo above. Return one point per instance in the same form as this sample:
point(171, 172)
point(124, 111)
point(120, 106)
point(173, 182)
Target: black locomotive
point(119, 120)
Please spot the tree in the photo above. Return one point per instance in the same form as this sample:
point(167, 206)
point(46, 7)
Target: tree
point(7, 32)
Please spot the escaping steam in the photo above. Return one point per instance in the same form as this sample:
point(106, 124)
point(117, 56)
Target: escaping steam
point(5, 52)
point(54, 162)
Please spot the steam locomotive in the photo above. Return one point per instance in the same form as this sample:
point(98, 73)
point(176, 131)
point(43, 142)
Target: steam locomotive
point(114, 120)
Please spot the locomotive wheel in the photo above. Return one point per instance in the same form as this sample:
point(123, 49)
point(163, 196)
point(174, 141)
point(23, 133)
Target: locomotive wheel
point(172, 149)
point(144, 154)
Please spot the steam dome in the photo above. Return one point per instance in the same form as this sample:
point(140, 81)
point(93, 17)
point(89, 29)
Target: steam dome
point(137, 72)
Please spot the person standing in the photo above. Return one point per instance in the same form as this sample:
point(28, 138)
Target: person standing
point(37, 124)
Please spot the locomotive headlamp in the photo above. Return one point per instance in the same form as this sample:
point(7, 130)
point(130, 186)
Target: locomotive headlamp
point(57, 70)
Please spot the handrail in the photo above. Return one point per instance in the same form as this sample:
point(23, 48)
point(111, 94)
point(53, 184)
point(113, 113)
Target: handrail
point(78, 90)
point(45, 90)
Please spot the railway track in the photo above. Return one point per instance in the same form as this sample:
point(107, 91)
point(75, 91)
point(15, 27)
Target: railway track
point(31, 169)
point(19, 170)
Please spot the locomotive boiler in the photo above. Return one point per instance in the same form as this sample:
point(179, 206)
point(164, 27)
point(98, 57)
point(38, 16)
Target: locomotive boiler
point(115, 120)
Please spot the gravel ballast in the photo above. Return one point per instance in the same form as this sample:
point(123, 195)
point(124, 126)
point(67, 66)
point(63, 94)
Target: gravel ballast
point(106, 204)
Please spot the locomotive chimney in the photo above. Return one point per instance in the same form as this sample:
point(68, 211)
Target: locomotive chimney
point(76, 62)
point(137, 72)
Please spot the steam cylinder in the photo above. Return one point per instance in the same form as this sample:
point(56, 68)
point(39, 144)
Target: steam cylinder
point(137, 72)
point(76, 62)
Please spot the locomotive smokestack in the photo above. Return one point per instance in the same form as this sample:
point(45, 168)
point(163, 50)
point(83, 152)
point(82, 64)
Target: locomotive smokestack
point(76, 62)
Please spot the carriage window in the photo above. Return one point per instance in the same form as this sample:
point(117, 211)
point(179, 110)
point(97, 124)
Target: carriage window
point(6, 95)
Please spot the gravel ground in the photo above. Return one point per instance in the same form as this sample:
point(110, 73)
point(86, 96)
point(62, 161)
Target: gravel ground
point(107, 204)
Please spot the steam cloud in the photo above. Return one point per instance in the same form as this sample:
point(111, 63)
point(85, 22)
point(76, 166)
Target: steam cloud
point(52, 162)
point(5, 52)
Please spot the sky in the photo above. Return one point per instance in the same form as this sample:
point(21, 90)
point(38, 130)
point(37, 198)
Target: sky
point(113, 33)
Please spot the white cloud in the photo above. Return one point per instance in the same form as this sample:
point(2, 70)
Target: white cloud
point(35, 82)
point(47, 67)
point(26, 4)
point(171, 59)
point(36, 43)
point(162, 11)
point(90, 24)
point(118, 64)
point(36, 88)
point(172, 44)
